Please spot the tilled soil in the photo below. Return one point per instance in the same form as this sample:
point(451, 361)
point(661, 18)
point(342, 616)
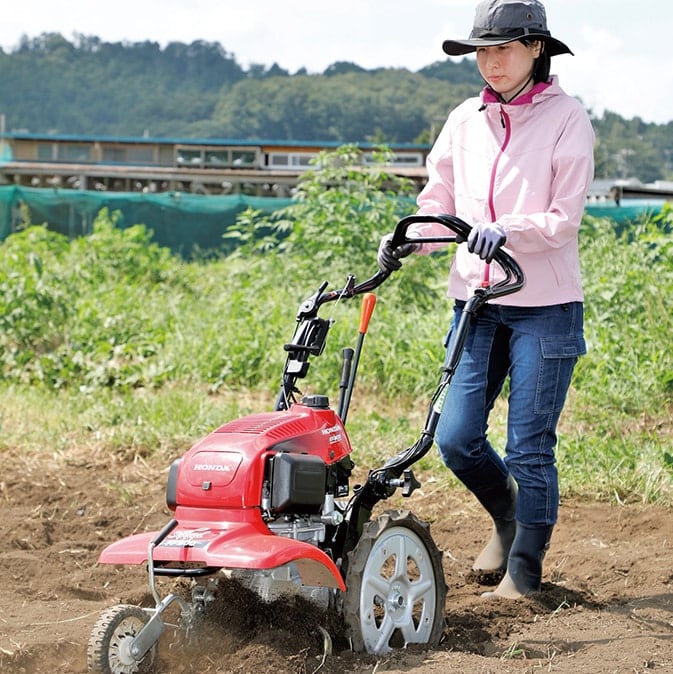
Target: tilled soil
point(606, 604)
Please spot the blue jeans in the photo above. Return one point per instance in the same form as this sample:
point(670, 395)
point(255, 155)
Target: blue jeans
point(537, 347)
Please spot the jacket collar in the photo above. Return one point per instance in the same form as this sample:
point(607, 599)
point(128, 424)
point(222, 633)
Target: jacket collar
point(489, 96)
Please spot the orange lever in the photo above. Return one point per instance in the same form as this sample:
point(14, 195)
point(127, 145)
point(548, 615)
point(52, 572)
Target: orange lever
point(368, 304)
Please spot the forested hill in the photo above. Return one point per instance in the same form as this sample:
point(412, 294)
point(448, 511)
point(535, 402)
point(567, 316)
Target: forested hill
point(87, 86)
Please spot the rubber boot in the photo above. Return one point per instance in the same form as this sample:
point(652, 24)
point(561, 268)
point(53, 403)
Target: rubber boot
point(500, 503)
point(524, 566)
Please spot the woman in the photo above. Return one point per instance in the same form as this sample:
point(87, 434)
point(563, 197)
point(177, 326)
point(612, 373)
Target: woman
point(515, 163)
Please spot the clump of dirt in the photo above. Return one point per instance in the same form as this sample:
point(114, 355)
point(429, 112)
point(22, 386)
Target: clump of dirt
point(247, 633)
point(606, 604)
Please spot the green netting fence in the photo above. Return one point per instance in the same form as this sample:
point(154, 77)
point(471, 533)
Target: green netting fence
point(180, 221)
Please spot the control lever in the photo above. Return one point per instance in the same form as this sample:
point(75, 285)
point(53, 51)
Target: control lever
point(408, 482)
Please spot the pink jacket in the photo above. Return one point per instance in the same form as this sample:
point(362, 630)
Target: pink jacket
point(527, 164)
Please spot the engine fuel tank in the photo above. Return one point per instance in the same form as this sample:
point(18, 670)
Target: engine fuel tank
point(225, 469)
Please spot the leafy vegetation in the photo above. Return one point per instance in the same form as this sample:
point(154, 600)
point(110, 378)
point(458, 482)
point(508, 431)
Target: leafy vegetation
point(109, 341)
point(619, 429)
point(64, 311)
point(199, 90)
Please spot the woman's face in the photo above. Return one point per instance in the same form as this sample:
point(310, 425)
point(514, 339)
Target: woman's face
point(506, 67)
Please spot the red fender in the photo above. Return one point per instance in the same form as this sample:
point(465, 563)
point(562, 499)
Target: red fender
point(228, 539)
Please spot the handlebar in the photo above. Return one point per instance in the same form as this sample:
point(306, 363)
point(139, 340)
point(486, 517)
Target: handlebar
point(460, 230)
point(511, 283)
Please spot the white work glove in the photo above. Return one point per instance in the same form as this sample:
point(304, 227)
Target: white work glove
point(486, 239)
point(388, 258)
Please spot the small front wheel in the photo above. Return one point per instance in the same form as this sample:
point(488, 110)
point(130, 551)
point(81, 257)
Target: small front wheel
point(109, 650)
point(395, 585)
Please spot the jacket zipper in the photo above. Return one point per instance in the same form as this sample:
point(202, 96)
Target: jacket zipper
point(504, 120)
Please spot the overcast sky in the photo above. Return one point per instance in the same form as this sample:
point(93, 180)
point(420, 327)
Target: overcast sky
point(622, 61)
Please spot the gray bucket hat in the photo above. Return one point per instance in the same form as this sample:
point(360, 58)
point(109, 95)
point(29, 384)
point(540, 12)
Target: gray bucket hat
point(502, 21)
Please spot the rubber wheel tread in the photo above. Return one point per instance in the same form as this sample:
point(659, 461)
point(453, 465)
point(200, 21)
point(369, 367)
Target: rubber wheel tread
point(357, 563)
point(101, 642)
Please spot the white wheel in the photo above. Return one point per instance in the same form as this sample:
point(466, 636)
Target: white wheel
point(109, 650)
point(395, 585)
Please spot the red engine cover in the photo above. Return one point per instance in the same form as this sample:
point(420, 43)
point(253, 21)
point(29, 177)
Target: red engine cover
point(226, 468)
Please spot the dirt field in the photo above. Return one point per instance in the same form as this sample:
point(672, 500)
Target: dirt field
point(606, 605)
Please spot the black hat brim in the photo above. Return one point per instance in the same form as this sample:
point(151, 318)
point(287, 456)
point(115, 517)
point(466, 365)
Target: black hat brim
point(462, 47)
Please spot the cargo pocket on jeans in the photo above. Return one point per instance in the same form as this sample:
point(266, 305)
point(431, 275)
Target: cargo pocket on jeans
point(558, 358)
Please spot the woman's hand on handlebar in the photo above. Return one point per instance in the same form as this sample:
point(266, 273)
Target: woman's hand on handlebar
point(388, 258)
point(486, 239)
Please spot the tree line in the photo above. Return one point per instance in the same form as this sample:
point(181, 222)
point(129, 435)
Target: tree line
point(86, 86)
